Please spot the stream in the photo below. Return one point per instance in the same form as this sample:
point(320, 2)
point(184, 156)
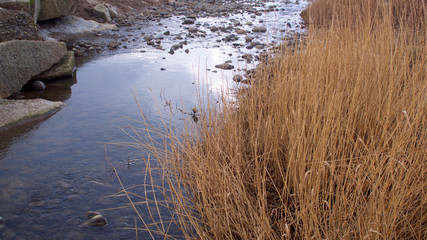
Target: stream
point(53, 168)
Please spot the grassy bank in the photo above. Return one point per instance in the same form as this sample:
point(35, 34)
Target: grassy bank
point(329, 142)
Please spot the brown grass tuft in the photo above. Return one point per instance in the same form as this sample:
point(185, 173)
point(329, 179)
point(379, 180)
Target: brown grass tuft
point(330, 142)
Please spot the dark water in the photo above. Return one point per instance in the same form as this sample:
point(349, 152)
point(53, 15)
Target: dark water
point(53, 169)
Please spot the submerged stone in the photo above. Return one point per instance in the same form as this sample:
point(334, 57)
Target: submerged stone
point(95, 219)
point(225, 66)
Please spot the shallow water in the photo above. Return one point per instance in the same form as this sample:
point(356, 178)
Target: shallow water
point(53, 168)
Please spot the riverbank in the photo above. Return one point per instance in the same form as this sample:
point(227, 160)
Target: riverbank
point(328, 143)
point(123, 32)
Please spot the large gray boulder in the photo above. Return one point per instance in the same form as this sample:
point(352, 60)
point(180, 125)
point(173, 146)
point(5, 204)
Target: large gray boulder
point(64, 68)
point(17, 25)
point(21, 60)
point(32, 7)
point(55, 8)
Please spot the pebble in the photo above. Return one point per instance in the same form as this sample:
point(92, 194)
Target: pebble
point(225, 66)
point(113, 45)
point(248, 39)
point(148, 38)
point(2, 220)
point(237, 78)
point(95, 219)
point(247, 57)
point(193, 30)
point(259, 29)
point(38, 86)
point(188, 21)
point(240, 31)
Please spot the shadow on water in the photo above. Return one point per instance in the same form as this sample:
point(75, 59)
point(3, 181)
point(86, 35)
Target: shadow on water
point(56, 90)
point(12, 134)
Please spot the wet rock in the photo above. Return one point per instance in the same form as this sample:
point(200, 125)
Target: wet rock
point(225, 66)
point(95, 219)
point(22, 60)
point(64, 68)
point(115, 12)
point(55, 8)
point(237, 78)
point(214, 29)
point(240, 31)
point(177, 46)
point(17, 25)
point(91, 214)
point(187, 51)
point(38, 86)
point(101, 12)
point(32, 7)
point(188, 21)
point(193, 30)
point(248, 39)
point(259, 29)
point(15, 110)
point(2, 220)
point(192, 16)
point(148, 38)
point(167, 33)
point(231, 38)
point(247, 57)
point(259, 46)
point(113, 45)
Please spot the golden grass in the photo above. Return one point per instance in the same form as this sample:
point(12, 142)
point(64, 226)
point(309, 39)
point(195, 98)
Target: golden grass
point(323, 13)
point(330, 142)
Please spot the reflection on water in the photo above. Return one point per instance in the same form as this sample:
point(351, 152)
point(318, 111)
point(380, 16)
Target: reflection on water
point(53, 169)
point(56, 90)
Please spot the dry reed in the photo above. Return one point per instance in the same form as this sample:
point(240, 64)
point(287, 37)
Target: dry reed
point(329, 142)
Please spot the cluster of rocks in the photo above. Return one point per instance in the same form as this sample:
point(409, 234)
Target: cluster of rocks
point(21, 35)
point(26, 58)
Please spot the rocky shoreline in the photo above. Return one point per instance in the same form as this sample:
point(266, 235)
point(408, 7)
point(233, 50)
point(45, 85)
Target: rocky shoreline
point(89, 27)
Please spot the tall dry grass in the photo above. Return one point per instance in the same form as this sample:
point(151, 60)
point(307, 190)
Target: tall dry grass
point(329, 142)
point(404, 13)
